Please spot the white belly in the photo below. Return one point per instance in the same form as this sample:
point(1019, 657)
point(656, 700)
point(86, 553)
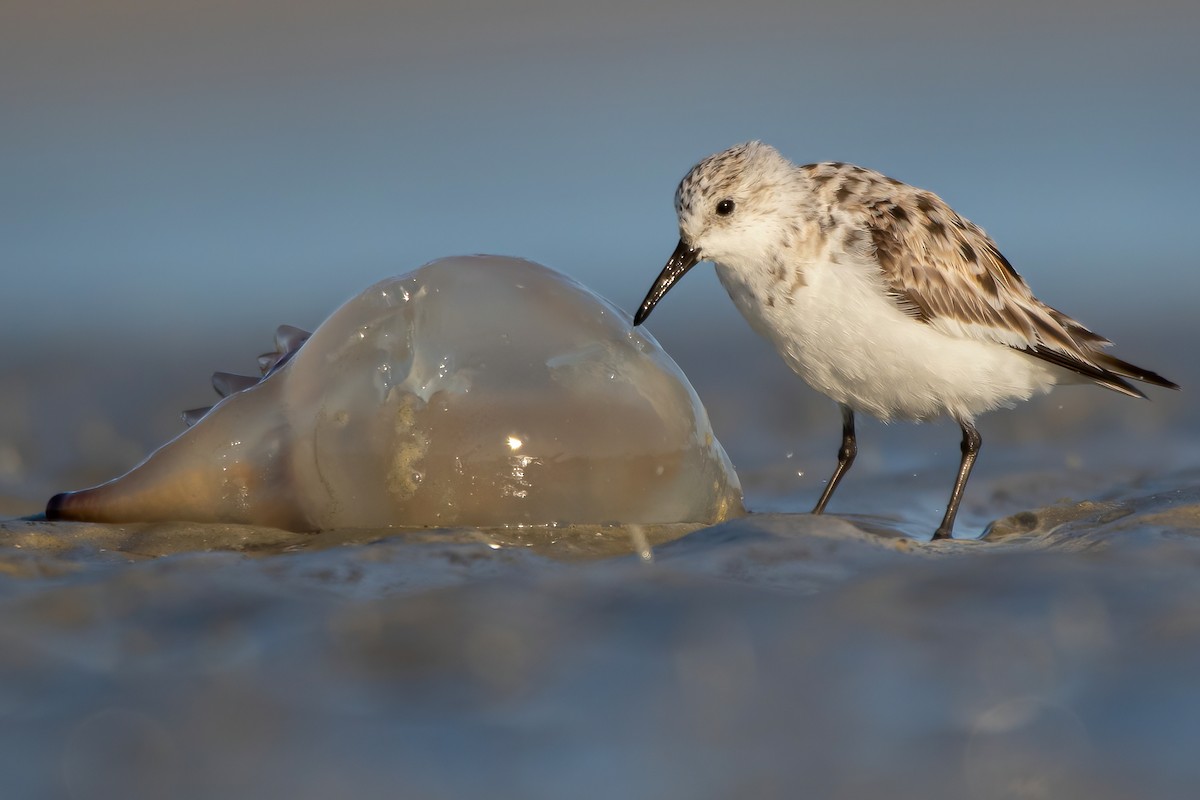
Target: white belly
point(848, 340)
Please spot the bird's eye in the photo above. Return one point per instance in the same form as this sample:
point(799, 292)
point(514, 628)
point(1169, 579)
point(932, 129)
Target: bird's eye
point(724, 208)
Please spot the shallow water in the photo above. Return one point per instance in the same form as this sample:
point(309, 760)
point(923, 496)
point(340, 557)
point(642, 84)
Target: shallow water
point(780, 655)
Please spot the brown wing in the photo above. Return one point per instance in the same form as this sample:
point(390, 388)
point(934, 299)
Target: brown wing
point(952, 275)
point(945, 271)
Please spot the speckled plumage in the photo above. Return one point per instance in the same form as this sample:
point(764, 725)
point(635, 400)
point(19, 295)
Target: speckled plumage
point(878, 294)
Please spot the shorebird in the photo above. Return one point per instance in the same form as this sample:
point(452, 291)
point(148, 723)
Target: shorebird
point(880, 296)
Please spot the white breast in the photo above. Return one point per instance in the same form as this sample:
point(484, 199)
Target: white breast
point(842, 333)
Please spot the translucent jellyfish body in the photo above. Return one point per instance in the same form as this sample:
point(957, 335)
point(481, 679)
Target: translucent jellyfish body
point(480, 390)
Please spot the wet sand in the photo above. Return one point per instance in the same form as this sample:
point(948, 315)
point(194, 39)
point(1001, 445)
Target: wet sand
point(779, 655)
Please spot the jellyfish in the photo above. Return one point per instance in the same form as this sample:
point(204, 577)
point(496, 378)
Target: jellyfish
point(479, 391)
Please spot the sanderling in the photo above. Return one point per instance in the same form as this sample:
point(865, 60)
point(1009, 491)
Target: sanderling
point(878, 295)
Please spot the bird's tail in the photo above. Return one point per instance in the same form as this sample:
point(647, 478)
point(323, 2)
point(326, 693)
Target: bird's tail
point(1125, 369)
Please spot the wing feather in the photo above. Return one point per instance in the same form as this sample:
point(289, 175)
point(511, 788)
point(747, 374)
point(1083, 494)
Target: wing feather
point(943, 270)
point(946, 271)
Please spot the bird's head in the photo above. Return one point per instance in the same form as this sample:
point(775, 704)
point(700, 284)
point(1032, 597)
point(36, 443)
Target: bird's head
point(729, 212)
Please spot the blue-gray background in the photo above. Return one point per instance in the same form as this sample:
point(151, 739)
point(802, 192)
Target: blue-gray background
point(176, 178)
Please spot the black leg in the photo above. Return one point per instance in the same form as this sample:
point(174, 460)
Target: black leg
point(970, 448)
point(846, 456)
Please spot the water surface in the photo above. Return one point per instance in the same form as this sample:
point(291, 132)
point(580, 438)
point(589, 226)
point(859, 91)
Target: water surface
point(773, 656)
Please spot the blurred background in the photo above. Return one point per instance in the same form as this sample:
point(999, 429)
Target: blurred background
point(179, 177)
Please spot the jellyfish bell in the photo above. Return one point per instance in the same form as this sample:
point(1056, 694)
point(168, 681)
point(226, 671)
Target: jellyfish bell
point(474, 391)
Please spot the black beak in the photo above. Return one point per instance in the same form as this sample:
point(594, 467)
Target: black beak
point(683, 259)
